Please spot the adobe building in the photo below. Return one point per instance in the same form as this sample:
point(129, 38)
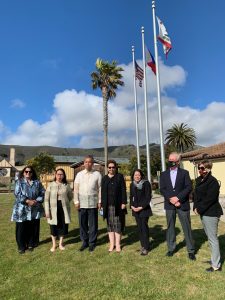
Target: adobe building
point(73, 164)
point(214, 153)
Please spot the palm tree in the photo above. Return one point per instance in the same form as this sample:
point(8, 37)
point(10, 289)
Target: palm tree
point(107, 77)
point(181, 137)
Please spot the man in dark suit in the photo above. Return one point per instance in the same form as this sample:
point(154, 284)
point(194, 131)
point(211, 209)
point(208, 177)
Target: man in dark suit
point(175, 186)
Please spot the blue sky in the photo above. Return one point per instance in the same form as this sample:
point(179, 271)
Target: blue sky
point(49, 48)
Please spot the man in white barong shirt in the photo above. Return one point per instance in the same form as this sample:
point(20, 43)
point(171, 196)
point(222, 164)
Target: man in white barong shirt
point(87, 199)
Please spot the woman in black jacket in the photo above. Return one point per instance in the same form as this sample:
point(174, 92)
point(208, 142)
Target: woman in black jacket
point(206, 204)
point(140, 197)
point(114, 200)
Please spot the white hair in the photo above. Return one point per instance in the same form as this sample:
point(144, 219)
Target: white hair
point(178, 156)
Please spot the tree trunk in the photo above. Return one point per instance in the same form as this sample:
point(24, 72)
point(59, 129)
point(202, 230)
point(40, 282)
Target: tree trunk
point(105, 125)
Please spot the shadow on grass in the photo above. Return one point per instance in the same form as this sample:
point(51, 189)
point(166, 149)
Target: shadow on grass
point(130, 236)
point(46, 241)
point(222, 247)
point(74, 237)
point(157, 234)
point(199, 237)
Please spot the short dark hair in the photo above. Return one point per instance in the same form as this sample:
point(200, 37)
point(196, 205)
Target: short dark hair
point(33, 176)
point(111, 161)
point(141, 173)
point(89, 157)
point(64, 180)
point(207, 164)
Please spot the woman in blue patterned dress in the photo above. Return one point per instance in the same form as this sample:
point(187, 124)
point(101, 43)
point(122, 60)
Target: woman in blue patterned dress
point(28, 209)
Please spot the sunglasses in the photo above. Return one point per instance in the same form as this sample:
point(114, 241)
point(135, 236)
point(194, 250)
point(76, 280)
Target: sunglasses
point(111, 167)
point(28, 172)
point(201, 168)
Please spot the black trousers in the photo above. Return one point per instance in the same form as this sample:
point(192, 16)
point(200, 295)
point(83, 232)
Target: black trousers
point(88, 219)
point(143, 230)
point(27, 234)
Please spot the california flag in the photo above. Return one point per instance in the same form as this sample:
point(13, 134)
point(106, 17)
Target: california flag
point(164, 38)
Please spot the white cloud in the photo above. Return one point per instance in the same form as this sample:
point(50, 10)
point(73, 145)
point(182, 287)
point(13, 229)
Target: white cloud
point(32, 133)
point(17, 103)
point(78, 116)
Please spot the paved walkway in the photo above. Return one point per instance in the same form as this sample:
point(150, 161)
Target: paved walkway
point(158, 206)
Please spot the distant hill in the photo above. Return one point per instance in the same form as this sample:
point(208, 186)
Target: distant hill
point(26, 152)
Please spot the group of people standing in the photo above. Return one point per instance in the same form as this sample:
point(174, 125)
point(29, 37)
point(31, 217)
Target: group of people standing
point(92, 192)
point(176, 186)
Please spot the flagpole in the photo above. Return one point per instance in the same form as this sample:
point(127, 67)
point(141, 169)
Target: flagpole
point(146, 107)
point(136, 112)
point(158, 93)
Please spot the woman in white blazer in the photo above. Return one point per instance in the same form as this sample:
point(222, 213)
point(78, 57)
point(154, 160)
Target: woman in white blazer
point(57, 207)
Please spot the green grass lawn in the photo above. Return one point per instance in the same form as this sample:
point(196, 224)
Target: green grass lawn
point(99, 275)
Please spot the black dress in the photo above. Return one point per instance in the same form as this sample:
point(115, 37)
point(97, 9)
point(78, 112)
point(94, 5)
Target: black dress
point(113, 196)
point(61, 228)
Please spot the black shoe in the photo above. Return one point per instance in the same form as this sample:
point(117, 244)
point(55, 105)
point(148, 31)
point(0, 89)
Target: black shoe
point(191, 256)
point(169, 253)
point(211, 269)
point(91, 248)
point(21, 251)
point(83, 247)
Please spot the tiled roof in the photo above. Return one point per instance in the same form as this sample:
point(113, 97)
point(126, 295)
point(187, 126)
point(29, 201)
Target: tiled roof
point(77, 159)
point(67, 159)
point(211, 152)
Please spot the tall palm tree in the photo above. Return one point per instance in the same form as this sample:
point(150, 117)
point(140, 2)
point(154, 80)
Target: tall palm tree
point(107, 77)
point(181, 137)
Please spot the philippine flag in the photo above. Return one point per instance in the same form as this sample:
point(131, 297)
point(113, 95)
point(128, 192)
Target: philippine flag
point(150, 60)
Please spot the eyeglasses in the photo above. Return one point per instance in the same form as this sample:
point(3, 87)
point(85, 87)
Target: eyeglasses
point(111, 167)
point(28, 172)
point(201, 168)
point(59, 174)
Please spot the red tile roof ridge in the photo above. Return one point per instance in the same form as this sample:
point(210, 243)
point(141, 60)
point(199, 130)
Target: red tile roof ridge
point(213, 151)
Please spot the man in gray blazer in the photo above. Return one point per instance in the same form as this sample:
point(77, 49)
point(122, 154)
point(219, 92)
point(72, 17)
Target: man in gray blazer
point(175, 186)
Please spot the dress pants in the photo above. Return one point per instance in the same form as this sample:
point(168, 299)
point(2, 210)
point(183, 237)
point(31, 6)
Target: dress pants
point(88, 219)
point(210, 225)
point(185, 220)
point(143, 230)
point(27, 234)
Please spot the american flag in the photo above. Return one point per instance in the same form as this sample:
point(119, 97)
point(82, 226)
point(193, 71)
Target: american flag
point(139, 74)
